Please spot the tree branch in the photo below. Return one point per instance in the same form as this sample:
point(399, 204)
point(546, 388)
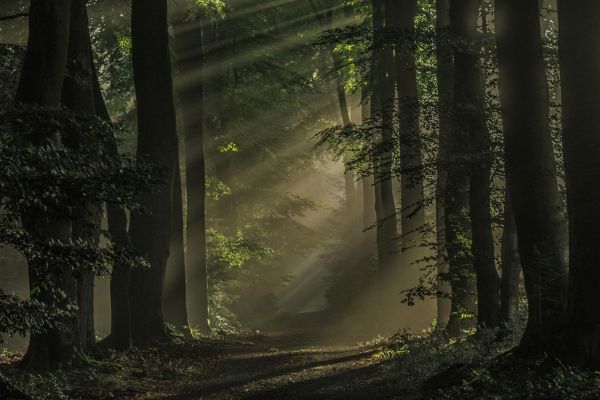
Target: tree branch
point(14, 16)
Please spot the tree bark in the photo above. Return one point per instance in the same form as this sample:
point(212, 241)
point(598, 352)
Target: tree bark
point(579, 54)
point(41, 83)
point(150, 232)
point(402, 19)
point(511, 267)
point(445, 87)
point(531, 171)
point(120, 335)
point(382, 108)
point(175, 297)
point(188, 41)
point(78, 96)
point(469, 115)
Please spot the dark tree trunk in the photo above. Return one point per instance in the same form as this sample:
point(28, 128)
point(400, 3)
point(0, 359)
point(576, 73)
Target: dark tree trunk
point(579, 52)
point(531, 171)
point(41, 84)
point(120, 335)
point(511, 267)
point(401, 18)
point(150, 232)
point(175, 300)
point(445, 86)
point(188, 41)
point(456, 197)
point(469, 113)
point(78, 96)
point(382, 109)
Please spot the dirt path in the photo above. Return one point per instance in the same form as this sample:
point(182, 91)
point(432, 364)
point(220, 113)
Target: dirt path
point(281, 367)
point(275, 367)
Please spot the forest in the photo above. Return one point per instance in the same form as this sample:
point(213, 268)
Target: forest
point(299, 199)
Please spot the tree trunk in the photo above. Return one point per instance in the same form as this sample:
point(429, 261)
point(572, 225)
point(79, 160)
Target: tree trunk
point(531, 171)
point(445, 87)
point(150, 232)
point(188, 42)
point(78, 96)
point(469, 113)
point(382, 108)
point(511, 267)
point(579, 53)
point(41, 83)
point(175, 300)
point(402, 19)
point(120, 335)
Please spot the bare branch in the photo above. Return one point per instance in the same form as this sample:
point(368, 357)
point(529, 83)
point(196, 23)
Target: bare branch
point(14, 16)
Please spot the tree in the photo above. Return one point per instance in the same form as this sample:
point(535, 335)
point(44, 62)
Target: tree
point(531, 171)
point(511, 267)
point(78, 96)
point(382, 110)
point(579, 54)
point(401, 19)
point(445, 87)
point(150, 231)
point(41, 84)
point(189, 51)
point(470, 122)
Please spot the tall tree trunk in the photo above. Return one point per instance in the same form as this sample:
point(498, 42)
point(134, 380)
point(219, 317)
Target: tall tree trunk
point(469, 113)
point(78, 96)
point(531, 171)
point(579, 53)
point(382, 109)
point(445, 87)
point(368, 184)
point(511, 267)
point(150, 232)
point(41, 84)
point(401, 18)
point(189, 50)
point(175, 300)
point(120, 335)
point(456, 198)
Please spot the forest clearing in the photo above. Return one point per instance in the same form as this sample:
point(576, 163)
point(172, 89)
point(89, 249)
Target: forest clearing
point(299, 199)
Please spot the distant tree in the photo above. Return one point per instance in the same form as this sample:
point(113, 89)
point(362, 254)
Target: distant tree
point(382, 110)
point(401, 21)
point(190, 60)
point(445, 87)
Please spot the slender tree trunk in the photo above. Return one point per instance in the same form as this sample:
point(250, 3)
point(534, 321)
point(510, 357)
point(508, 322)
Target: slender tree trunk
point(175, 300)
point(511, 267)
point(382, 108)
point(41, 84)
point(579, 53)
point(78, 96)
point(445, 87)
point(120, 336)
point(150, 232)
point(531, 171)
point(457, 201)
point(188, 42)
point(402, 18)
point(469, 115)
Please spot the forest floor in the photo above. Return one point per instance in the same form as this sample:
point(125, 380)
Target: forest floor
point(297, 366)
point(255, 367)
